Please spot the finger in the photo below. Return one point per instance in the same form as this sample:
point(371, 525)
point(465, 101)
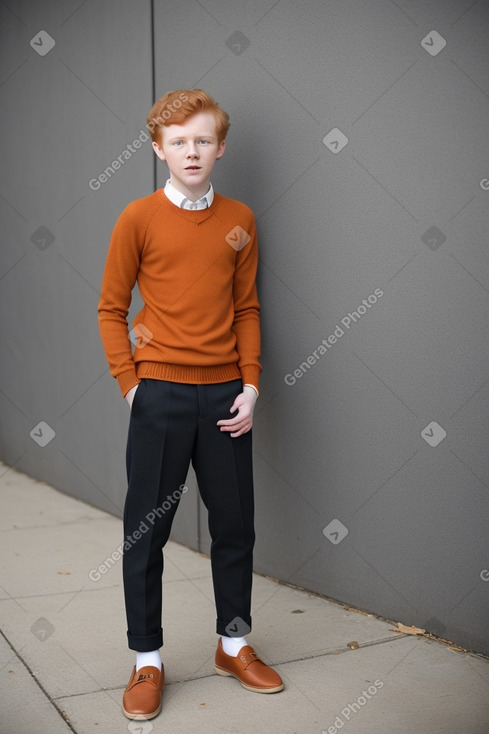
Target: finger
point(241, 432)
point(233, 427)
point(232, 421)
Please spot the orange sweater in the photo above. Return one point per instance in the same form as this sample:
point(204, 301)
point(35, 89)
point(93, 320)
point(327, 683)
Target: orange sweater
point(196, 274)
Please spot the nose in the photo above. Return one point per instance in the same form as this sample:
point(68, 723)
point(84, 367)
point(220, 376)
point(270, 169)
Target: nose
point(191, 151)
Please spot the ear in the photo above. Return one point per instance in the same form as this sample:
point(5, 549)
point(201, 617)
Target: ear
point(158, 151)
point(221, 149)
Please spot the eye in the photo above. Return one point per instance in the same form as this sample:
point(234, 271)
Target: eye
point(177, 142)
point(204, 141)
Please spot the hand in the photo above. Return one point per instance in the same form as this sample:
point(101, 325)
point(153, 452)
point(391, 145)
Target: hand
point(129, 396)
point(243, 420)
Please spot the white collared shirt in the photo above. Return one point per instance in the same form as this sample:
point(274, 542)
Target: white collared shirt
point(180, 200)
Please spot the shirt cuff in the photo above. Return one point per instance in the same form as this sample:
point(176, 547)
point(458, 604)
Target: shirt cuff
point(247, 384)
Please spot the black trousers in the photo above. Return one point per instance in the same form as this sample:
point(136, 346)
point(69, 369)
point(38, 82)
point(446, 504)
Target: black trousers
point(172, 424)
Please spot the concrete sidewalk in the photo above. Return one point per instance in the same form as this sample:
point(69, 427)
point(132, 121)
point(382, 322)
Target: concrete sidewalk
point(64, 662)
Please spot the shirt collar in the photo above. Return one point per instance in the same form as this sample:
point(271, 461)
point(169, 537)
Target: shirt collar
point(180, 200)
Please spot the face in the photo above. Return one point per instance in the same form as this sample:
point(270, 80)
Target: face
point(190, 151)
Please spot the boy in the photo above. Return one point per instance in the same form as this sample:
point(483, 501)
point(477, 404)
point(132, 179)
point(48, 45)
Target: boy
point(194, 255)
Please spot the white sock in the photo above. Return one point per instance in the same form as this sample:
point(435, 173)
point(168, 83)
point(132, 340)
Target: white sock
point(232, 645)
point(152, 658)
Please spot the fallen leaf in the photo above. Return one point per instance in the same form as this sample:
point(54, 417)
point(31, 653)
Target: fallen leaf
point(409, 630)
point(64, 573)
point(353, 645)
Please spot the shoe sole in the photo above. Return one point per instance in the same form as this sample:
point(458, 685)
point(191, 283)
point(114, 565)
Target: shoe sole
point(141, 717)
point(221, 671)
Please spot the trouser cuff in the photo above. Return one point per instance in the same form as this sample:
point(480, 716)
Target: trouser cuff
point(147, 643)
point(237, 627)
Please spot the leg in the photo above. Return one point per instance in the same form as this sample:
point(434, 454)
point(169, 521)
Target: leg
point(224, 471)
point(161, 435)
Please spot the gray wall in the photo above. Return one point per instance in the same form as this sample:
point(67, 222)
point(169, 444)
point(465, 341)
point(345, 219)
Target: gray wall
point(354, 499)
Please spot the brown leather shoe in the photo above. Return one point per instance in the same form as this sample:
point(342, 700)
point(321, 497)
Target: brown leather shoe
point(142, 697)
point(251, 672)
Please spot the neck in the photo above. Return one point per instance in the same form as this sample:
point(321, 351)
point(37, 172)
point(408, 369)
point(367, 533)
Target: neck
point(192, 194)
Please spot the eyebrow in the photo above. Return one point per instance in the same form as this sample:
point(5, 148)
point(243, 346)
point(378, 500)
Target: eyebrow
point(184, 137)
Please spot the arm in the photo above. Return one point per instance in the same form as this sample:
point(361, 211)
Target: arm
point(246, 323)
point(247, 329)
point(119, 278)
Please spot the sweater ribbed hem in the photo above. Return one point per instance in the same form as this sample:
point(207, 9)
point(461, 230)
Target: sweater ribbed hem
point(191, 374)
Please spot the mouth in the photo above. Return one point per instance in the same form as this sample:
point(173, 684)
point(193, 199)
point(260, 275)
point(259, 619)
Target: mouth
point(192, 168)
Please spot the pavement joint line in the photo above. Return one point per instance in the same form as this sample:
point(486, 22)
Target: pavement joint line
point(383, 640)
point(341, 650)
point(213, 674)
point(53, 525)
point(56, 593)
point(38, 683)
point(285, 662)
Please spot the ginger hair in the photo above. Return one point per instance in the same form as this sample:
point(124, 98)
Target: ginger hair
point(174, 108)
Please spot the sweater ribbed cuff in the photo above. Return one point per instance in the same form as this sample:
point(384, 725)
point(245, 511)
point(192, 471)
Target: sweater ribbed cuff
point(127, 380)
point(250, 374)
